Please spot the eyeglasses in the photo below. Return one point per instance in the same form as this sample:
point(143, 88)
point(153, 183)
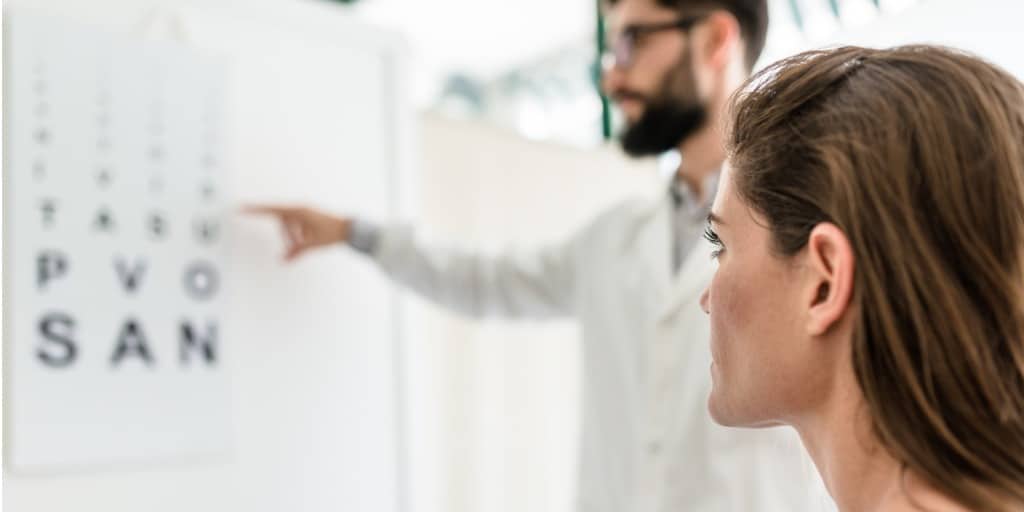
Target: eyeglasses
point(623, 49)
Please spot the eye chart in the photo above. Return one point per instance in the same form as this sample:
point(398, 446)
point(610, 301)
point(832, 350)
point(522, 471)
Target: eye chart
point(112, 257)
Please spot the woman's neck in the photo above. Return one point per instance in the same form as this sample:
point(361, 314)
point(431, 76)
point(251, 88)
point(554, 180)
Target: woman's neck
point(857, 469)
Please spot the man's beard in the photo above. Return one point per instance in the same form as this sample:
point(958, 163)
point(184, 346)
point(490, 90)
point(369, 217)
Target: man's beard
point(669, 117)
point(662, 127)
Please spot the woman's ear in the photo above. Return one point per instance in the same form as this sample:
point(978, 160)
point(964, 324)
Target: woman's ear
point(830, 268)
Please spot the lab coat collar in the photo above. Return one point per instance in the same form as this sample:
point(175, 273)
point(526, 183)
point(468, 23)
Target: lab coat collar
point(697, 266)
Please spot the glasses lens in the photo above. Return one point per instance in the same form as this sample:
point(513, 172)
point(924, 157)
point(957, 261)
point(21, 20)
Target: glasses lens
point(624, 49)
point(607, 61)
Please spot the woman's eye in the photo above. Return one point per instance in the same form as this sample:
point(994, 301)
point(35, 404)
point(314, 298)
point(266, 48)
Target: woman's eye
point(712, 237)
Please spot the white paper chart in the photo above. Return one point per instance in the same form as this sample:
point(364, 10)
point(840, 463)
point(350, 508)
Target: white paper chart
point(112, 242)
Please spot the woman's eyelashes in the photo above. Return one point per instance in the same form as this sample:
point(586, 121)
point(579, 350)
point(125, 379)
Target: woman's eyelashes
point(711, 236)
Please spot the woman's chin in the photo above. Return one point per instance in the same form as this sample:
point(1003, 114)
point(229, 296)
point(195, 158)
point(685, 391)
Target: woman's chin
point(725, 413)
point(717, 410)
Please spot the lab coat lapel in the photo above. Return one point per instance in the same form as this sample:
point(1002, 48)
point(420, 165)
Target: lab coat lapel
point(671, 291)
point(657, 264)
point(690, 281)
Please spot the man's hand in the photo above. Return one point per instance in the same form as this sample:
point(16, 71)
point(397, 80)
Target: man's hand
point(305, 228)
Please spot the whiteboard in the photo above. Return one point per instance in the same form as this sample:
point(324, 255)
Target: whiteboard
point(114, 250)
point(315, 111)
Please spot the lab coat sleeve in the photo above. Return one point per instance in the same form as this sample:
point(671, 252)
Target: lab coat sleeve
point(537, 285)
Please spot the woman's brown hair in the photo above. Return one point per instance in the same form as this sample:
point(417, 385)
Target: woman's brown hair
point(917, 154)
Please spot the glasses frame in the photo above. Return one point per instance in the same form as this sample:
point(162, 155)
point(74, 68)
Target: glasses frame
point(623, 48)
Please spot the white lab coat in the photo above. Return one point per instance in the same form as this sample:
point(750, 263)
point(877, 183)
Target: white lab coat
point(648, 443)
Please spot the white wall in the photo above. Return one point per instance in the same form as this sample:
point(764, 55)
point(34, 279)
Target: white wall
point(497, 402)
point(310, 348)
point(989, 28)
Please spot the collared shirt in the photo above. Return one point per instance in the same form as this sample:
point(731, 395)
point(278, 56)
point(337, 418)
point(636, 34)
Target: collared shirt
point(690, 215)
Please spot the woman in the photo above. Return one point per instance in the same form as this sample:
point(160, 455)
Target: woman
point(870, 282)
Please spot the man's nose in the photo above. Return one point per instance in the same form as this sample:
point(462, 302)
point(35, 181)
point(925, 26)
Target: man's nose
point(612, 80)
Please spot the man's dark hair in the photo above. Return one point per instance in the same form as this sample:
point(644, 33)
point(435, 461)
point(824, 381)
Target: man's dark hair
point(752, 16)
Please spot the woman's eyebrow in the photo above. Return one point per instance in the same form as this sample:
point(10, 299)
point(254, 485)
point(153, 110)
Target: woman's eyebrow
point(714, 219)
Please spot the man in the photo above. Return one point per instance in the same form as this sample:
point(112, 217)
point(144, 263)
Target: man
point(632, 277)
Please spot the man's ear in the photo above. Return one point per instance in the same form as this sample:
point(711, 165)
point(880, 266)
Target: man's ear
point(829, 268)
point(721, 35)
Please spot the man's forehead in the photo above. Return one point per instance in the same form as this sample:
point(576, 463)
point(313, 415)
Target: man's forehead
point(626, 12)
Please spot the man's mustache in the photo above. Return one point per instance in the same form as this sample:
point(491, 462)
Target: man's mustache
point(629, 95)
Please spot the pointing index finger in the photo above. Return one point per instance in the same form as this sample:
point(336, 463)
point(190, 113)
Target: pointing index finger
point(263, 209)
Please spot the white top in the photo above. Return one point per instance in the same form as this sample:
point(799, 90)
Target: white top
point(648, 443)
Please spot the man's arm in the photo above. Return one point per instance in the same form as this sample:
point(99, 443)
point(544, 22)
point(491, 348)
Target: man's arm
point(540, 284)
